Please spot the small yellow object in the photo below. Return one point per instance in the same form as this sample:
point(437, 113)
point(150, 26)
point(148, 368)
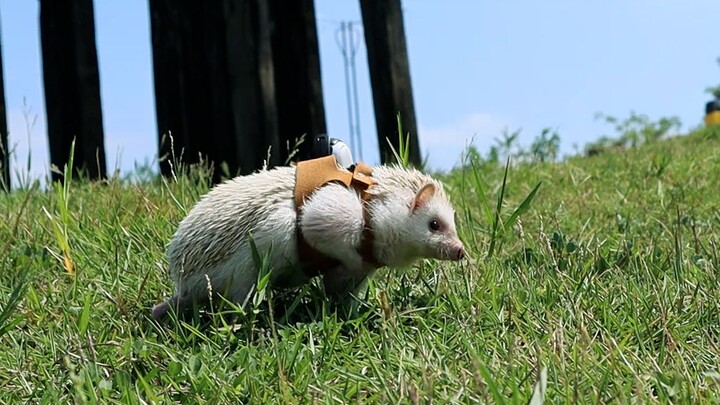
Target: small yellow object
point(712, 118)
point(712, 113)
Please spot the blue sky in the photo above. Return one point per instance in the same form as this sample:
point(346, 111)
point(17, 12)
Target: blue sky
point(477, 66)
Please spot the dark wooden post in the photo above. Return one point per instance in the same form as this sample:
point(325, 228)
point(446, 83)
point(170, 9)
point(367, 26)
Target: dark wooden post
point(4, 148)
point(252, 73)
point(72, 85)
point(389, 75)
point(297, 74)
point(214, 83)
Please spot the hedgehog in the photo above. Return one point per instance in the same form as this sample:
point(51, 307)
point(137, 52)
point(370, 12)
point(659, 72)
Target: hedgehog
point(339, 232)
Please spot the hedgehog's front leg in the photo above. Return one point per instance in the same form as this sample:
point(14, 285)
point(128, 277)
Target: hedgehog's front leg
point(332, 223)
point(347, 278)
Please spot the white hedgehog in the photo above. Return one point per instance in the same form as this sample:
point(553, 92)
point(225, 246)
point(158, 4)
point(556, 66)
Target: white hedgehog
point(407, 216)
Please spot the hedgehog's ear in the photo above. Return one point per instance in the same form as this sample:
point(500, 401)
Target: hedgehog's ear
point(423, 196)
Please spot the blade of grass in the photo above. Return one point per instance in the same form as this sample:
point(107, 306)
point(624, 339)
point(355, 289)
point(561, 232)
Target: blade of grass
point(522, 208)
point(7, 322)
point(498, 208)
point(481, 193)
point(402, 157)
point(538, 396)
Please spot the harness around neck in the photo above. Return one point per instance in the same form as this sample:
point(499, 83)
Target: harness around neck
point(310, 176)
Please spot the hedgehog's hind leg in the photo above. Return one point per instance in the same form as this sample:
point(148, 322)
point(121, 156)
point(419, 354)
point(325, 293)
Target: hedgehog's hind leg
point(180, 305)
point(160, 311)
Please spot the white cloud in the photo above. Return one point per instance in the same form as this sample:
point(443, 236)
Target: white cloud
point(445, 144)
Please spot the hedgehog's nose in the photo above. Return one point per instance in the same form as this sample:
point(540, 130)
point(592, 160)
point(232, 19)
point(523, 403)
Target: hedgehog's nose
point(460, 254)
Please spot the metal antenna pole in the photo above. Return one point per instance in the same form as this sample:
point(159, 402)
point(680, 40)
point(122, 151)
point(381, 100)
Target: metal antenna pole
point(354, 44)
point(341, 41)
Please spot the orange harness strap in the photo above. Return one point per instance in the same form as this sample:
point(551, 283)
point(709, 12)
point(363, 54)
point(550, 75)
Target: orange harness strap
point(310, 176)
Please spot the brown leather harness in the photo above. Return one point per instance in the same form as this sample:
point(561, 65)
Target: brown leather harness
point(310, 176)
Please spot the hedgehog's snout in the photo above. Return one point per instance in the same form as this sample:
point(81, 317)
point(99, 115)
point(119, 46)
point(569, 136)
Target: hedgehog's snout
point(454, 250)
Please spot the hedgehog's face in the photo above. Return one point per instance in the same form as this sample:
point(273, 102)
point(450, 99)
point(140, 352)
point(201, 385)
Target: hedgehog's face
point(432, 223)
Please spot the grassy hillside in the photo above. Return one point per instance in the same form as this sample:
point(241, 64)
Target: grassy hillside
point(606, 289)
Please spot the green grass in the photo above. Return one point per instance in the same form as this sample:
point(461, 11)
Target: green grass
point(608, 287)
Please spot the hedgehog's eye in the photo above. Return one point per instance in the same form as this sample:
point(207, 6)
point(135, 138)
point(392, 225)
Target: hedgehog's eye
point(434, 225)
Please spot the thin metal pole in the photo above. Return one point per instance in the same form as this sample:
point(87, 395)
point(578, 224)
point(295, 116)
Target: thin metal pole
point(342, 44)
point(354, 43)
